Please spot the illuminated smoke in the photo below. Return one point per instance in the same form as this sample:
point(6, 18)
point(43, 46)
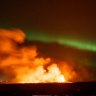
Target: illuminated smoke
point(21, 64)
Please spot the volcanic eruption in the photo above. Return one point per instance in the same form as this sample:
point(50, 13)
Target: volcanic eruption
point(21, 64)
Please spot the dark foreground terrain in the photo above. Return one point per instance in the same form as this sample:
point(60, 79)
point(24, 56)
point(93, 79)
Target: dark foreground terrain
point(49, 89)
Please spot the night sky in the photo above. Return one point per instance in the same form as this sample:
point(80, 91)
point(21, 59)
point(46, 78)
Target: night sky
point(69, 22)
point(75, 18)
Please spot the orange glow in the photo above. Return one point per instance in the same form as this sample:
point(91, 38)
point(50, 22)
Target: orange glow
point(22, 64)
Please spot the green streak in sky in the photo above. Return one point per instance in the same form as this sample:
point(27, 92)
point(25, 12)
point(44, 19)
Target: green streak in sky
point(64, 40)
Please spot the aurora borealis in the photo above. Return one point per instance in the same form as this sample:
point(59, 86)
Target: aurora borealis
point(63, 40)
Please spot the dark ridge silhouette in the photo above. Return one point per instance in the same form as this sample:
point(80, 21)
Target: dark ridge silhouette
point(52, 89)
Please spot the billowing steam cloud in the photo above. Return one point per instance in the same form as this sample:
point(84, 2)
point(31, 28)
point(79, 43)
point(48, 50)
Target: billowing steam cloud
point(22, 64)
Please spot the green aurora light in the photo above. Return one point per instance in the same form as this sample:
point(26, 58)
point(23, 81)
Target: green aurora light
point(80, 44)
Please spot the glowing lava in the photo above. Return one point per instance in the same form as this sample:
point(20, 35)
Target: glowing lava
point(39, 75)
point(22, 64)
